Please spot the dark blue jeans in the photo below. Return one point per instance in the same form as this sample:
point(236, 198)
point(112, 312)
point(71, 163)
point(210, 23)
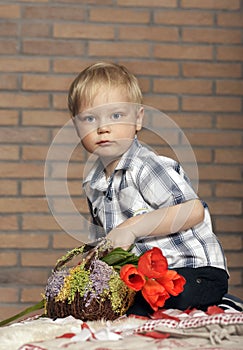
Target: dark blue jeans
point(205, 286)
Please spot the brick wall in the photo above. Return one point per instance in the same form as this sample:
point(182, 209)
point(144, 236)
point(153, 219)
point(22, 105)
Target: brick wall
point(188, 57)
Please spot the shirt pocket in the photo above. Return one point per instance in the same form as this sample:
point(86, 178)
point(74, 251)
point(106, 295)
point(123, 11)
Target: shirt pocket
point(130, 200)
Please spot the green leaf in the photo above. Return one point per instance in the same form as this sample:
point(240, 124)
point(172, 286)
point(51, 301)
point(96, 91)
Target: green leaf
point(119, 256)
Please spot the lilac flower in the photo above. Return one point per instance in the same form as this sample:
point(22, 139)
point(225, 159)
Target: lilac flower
point(99, 281)
point(55, 283)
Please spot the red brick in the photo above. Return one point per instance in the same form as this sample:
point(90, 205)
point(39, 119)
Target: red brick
point(8, 117)
point(70, 65)
point(192, 69)
point(36, 188)
point(169, 103)
point(24, 64)
point(21, 205)
point(119, 15)
point(153, 34)
point(153, 138)
point(9, 11)
point(219, 172)
point(230, 53)
point(215, 138)
point(83, 31)
point(90, 2)
point(228, 87)
point(211, 104)
point(183, 52)
point(60, 206)
point(48, 222)
point(9, 223)
point(31, 295)
point(60, 101)
point(67, 13)
point(40, 30)
point(33, 188)
point(21, 100)
point(211, 35)
point(185, 17)
point(118, 49)
point(75, 171)
point(230, 156)
point(8, 187)
point(64, 241)
point(229, 19)
point(18, 171)
point(225, 207)
point(8, 82)
point(234, 259)
point(232, 242)
point(205, 190)
point(8, 258)
point(195, 120)
point(144, 84)
point(209, 4)
point(164, 68)
point(8, 295)
point(24, 240)
point(229, 189)
point(147, 3)
point(8, 46)
point(182, 86)
point(43, 117)
point(52, 47)
point(66, 137)
point(8, 29)
point(37, 259)
point(24, 276)
point(45, 83)
point(229, 121)
point(21, 134)
point(9, 152)
point(229, 224)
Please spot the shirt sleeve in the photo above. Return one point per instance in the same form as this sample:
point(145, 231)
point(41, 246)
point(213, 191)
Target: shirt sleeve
point(163, 182)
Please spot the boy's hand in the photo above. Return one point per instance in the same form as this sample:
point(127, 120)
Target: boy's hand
point(121, 237)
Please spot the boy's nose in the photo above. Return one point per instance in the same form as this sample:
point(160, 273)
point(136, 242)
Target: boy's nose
point(103, 128)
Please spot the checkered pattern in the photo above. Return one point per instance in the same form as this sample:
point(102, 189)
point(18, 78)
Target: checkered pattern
point(142, 182)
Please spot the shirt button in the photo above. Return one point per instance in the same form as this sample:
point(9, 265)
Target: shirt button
point(198, 280)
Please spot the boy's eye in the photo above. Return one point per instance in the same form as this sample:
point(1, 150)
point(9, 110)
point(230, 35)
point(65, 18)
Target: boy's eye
point(88, 119)
point(116, 116)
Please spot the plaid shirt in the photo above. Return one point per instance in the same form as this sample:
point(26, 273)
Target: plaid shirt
point(142, 182)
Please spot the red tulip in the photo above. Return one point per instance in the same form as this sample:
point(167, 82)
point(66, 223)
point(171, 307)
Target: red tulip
point(172, 282)
point(132, 277)
point(153, 264)
point(155, 294)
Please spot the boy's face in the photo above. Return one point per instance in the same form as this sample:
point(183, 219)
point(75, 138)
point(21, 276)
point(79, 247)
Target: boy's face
point(107, 127)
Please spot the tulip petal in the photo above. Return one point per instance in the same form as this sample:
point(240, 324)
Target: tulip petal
point(132, 277)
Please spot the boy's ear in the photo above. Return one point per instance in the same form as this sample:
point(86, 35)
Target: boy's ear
point(139, 122)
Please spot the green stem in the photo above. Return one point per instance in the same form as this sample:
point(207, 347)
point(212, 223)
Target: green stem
point(35, 307)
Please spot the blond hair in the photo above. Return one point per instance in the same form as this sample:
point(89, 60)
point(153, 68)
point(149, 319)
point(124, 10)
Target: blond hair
point(86, 85)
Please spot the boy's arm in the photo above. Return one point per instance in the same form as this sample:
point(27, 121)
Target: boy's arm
point(160, 222)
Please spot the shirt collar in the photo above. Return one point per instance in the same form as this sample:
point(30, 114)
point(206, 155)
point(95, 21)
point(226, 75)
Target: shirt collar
point(97, 174)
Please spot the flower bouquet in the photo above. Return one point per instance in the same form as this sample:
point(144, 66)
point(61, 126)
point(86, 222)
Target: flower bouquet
point(103, 282)
point(91, 289)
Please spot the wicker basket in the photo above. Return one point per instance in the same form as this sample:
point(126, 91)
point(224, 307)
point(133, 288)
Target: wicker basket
point(90, 290)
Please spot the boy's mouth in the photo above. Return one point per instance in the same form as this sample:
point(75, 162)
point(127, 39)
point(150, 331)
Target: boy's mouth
point(103, 142)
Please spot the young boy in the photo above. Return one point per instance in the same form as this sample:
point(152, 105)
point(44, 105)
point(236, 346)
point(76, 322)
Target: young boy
point(136, 196)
